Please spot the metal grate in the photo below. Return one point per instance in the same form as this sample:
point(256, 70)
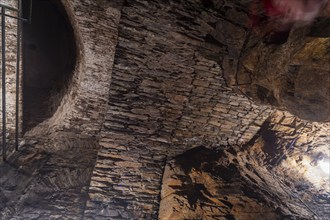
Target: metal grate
point(19, 17)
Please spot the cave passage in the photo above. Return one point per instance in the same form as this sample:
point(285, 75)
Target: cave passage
point(49, 56)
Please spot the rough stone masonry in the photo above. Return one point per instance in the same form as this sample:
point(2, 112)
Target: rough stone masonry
point(149, 86)
point(165, 98)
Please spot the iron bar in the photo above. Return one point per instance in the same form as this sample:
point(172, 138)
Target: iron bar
point(30, 12)
point(18, 18)
point(18, 59)
point(19, 10)
point(3, 52)
point(8, 7)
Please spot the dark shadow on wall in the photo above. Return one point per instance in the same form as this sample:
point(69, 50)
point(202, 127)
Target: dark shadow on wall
point(49, 57)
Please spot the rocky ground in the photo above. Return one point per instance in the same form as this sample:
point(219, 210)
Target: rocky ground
point(47, 179)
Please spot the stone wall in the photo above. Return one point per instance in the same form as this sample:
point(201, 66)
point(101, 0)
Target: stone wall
point(11, 59)
point(165, 98)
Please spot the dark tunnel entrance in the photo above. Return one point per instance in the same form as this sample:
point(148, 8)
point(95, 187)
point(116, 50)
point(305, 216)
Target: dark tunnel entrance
point(49, 57)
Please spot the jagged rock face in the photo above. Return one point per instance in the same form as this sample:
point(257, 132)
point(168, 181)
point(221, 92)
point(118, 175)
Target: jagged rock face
point(207, 184)
point(293, 147)
point(292, 76)
point(287, 69)
point(269, 178)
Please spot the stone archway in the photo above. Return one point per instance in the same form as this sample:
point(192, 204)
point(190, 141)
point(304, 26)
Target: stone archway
point(49, 58)
point(82, 103)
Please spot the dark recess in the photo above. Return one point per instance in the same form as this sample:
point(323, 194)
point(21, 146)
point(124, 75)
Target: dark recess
point(49, 57)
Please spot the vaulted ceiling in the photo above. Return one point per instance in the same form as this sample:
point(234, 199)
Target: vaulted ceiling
point(179, 110)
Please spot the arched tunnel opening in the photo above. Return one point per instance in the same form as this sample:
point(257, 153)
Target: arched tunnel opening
point(49, 56)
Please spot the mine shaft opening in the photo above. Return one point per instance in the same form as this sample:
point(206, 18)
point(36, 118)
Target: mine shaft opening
point(49, 58)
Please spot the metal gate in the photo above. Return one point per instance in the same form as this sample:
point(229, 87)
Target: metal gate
point(9, 12)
